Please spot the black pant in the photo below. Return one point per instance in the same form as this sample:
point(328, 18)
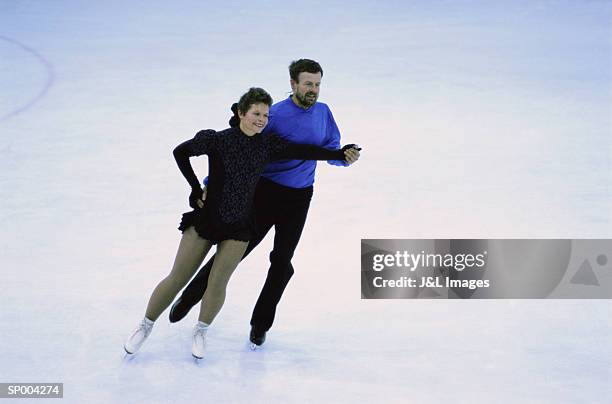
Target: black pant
point(274, 205)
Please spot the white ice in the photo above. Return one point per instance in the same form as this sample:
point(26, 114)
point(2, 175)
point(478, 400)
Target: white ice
point(477, 119)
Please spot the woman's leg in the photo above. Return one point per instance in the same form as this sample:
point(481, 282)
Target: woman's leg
point(191, 252)
point(229, 253)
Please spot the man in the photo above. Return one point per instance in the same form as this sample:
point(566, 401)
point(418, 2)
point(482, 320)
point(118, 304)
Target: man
point(283, 194)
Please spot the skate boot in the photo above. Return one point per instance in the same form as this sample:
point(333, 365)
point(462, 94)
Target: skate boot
point(179, 310)
point(138, 336)
point(199, 340)
point(257, 337)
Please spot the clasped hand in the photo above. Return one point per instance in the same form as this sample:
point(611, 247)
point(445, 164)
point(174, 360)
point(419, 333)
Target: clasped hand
point(196, 198)
point(351, 153)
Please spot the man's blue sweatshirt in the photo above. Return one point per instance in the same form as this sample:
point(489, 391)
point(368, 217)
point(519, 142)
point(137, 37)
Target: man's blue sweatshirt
point(315, 126)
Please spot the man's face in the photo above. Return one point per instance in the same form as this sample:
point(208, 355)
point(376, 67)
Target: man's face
point(306, 89)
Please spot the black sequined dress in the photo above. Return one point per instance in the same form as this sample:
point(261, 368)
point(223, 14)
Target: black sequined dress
point(235, 163)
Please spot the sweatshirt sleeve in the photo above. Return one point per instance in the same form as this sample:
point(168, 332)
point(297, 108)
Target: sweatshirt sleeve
point(282, 149)
point(202, 143)
point(332, 139)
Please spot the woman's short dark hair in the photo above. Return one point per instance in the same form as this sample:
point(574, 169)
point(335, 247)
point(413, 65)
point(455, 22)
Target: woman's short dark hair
point(303, 65)
point(255, 95)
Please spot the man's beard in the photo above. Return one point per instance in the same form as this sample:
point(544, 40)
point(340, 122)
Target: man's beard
point(304, 100)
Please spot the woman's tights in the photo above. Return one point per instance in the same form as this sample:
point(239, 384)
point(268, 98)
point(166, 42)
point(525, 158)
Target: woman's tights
point(191, 252)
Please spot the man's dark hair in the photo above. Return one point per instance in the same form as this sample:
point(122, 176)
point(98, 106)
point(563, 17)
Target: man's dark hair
point(303, 65)
point(255, 95)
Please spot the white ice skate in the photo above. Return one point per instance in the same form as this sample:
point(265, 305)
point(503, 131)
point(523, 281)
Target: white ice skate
point(199, 340)
point(138, 336)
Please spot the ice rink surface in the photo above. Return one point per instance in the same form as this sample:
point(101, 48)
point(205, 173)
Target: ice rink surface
point(477, 119)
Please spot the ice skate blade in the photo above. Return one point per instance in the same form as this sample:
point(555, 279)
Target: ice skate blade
point(255, 347)
point(127, 357)
point(197, 358)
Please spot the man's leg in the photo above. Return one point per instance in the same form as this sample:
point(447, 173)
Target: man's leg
point(288, 230)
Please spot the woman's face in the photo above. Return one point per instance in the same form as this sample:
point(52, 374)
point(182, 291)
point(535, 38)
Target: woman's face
point(255, 119)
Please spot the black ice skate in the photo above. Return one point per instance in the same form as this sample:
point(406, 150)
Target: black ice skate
point(257, 337)
point(179, 310)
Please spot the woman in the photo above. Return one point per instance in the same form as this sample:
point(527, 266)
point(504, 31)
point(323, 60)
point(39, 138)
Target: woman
point(237, 157)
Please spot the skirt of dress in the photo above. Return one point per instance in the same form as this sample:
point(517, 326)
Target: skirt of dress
point(213, 229)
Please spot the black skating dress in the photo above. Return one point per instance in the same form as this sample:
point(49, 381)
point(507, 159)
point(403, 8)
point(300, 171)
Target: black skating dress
point(235, 162)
